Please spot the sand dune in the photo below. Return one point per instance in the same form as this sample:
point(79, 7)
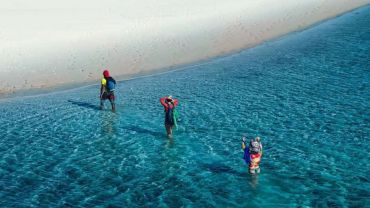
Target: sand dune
point(47, 44)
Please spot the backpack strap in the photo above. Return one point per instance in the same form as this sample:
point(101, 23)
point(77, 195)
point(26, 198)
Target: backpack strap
point(114, 81)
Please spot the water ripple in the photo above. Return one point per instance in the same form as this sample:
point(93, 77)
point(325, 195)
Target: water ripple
point(307, 96)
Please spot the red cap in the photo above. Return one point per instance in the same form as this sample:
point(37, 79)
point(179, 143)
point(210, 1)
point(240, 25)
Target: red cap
point(106, 73)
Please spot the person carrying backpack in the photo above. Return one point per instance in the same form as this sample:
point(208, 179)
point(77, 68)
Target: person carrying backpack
point(107, 88)
point(252, 154)
point(170, 119)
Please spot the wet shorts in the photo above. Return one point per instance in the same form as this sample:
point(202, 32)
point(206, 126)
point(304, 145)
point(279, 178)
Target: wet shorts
point(108, 96)
point(168, 122)
point(255, 161)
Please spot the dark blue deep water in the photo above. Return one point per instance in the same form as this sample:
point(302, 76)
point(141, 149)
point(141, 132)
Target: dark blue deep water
point(307, 95)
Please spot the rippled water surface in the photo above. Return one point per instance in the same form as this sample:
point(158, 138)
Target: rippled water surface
point(307, 95)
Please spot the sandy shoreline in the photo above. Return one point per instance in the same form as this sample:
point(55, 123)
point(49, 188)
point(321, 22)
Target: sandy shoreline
point(46, 45)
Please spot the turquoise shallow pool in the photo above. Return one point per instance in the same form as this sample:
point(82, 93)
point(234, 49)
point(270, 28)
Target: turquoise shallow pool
point(307, 95)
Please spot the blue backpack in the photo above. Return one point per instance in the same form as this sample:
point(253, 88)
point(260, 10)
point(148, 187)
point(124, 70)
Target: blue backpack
point(111, 84)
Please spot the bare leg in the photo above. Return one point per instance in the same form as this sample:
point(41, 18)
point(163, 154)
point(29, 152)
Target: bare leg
point(251, 171)
point(169, 131)
point(101, 104)
point(112, 102)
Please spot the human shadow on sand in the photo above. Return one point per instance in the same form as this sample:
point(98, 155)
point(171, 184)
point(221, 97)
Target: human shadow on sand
point(84, 104)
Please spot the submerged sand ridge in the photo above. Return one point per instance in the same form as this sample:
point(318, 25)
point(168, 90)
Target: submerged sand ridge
point(48, 45)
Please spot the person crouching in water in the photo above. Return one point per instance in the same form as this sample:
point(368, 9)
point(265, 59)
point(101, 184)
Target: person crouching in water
point(107, 88)
point(169, 105)
point(253, 154)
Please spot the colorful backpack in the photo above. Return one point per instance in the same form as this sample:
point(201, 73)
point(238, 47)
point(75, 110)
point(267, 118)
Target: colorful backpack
point(254, 147)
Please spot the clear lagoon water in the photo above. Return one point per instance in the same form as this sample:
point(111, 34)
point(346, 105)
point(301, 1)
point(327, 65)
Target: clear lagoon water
point(307, 95)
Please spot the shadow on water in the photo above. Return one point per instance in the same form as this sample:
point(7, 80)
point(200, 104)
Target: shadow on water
point(84, 104)
point(252, 179)
point(141, 130)
point(220, 168)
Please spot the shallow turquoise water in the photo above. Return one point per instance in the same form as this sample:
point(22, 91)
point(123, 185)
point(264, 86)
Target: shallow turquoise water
point(307, 95)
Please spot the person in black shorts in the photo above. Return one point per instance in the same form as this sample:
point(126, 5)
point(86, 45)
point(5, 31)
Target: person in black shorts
point(107, 88)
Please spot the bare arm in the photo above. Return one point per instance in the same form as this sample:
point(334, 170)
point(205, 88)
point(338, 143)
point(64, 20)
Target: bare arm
point(243, 145)
point(162, 100)
point(175, 102)
point(101, 91)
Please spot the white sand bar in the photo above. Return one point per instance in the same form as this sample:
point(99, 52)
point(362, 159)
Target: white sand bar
point(47, 43)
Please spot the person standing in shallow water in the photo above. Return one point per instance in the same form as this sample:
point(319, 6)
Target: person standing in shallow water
point(169, 105)
point(252, 154)
point(108, 85)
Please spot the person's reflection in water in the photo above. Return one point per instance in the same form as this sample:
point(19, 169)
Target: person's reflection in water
point(254, 180)
point(109, 124)
point(170, 143)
